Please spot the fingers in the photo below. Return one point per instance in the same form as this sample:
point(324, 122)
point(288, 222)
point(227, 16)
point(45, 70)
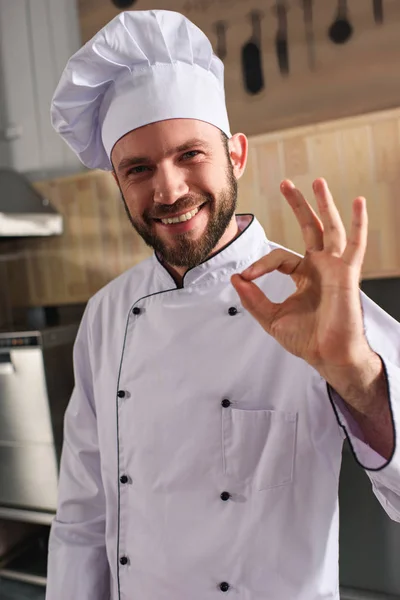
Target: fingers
point(309, 222)
point(255, 302)
point(357, 242)
point(278, 260)
point(324, 232)
point(334, 230)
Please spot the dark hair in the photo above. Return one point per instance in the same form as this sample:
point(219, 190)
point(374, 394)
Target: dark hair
point(225, 139)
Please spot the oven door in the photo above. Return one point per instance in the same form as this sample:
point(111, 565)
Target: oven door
point(28, 465)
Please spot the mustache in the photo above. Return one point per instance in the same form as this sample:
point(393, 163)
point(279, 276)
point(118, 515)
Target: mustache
point(164, 211)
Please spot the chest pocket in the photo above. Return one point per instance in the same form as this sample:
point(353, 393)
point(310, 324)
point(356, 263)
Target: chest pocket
point(259, 445)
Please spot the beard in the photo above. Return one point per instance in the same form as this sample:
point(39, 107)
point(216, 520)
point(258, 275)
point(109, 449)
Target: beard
point(183, 251)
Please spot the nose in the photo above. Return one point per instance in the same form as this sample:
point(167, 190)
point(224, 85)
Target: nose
point(169, 184)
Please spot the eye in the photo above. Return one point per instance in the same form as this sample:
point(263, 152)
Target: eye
point(190, 154)
point(137, 170)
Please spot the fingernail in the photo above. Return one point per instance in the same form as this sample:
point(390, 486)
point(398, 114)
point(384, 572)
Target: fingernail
point(318, 183)
point(287, 184)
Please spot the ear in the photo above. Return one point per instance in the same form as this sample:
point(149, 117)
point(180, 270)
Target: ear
point(238, 152)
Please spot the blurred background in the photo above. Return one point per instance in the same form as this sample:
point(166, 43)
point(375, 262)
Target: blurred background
point(315, 86)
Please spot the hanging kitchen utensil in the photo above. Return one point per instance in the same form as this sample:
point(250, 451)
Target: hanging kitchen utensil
point(378, 11)
point(308, 26)
point(220, 29)
point(123, 3)
point(252, 59)
point(341, 29)
point(281, 39)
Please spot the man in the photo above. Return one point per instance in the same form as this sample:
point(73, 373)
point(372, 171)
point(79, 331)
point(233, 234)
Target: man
point(216, 381)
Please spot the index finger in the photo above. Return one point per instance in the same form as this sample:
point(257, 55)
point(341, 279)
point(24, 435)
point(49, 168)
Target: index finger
point(280, 259)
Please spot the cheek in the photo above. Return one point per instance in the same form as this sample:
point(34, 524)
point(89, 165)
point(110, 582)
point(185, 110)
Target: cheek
point(135, 202)
point(209, 178)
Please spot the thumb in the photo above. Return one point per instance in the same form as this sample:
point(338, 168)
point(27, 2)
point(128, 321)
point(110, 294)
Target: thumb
point(255, 301)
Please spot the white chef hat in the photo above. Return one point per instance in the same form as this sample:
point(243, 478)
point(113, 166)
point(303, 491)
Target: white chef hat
point(143, 67)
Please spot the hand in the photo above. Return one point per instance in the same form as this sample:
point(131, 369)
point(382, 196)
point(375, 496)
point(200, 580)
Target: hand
point(321, 321)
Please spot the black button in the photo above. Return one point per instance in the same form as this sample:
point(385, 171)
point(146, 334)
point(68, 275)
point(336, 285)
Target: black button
point(123, 479)
point(225, 496)
point(136, 310)
point(121, 394)
point(224, 587)
point(232, 311)
point(123, 560)
point(226, 403)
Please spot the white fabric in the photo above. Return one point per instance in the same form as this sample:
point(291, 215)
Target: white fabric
point(142, 67)
point(276, 449)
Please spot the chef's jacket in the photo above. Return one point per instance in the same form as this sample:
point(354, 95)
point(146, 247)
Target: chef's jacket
point(200, 458)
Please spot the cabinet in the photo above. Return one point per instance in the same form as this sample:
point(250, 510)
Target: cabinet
point(36, 39)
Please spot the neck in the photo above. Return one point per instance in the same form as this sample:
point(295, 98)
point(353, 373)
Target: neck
point(232, 231)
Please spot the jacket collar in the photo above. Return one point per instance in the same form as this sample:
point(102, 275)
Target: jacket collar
point(233, 258)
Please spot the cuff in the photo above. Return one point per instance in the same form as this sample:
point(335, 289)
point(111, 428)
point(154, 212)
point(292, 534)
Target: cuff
point(368, 458)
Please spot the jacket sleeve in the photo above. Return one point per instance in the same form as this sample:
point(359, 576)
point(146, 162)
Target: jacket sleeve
point(77, 561)
point(383, 334)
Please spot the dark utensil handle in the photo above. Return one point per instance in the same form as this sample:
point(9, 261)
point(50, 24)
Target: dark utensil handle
point(308, 11)
point(308, 25)
point(342, 9)
point(220, 28)
point(252, 58)
point(282, 54)
point(282, 16)
point(341, 30)
point(123, 3)
point(255, 17)
point(378, 11)
point(281, 41)
point(252, 68)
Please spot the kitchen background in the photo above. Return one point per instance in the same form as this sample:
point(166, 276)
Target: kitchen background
point(315, 86)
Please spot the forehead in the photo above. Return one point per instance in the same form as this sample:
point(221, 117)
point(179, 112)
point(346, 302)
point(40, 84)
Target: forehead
point(164, 136)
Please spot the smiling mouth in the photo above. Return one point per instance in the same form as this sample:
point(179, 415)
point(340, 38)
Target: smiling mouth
point(181, 218)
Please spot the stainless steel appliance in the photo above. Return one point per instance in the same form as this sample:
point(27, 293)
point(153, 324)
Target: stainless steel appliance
point(23, 211)
point(36, 381)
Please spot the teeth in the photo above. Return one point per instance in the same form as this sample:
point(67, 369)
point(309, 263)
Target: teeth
point(182, 218)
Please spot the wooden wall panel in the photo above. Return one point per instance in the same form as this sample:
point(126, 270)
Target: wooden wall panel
point(99, 242)
point(352, 155)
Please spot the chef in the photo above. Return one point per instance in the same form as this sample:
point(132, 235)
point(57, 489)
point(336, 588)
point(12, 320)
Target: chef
point(216, 381)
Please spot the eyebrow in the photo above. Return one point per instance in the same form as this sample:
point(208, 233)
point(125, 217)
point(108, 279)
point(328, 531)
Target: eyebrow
point(132, 161)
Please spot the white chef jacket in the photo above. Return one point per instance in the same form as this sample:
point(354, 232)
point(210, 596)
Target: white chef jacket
point(200, 458)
